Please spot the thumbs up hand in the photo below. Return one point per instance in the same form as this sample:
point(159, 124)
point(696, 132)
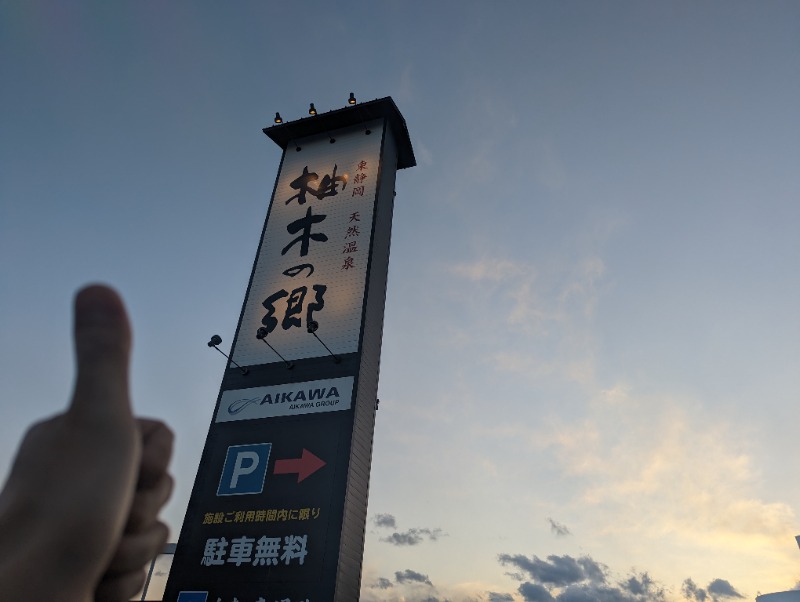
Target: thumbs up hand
point(79, 512)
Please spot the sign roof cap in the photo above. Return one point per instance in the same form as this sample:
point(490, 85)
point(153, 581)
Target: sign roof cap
point(364, 112)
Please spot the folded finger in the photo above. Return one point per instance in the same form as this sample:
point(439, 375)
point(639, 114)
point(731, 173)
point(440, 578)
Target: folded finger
point(115, 588)
point(135, 550)
point(157, 439)
point(147, 504)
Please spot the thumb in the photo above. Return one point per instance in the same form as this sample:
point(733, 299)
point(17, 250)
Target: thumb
point(102, 347)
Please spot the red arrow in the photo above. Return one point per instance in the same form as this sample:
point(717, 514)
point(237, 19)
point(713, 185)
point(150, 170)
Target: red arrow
point(304, 466)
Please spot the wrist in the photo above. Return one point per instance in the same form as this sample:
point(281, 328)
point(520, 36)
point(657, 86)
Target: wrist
point(34, 564)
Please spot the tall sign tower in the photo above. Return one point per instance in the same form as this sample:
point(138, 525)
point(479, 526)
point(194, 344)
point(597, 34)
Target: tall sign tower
point(279, 506)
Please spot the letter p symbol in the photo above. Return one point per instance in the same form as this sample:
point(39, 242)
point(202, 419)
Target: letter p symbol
point(246, 463)
point(245, 469)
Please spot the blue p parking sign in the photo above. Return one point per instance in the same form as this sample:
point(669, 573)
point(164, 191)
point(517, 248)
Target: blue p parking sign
point(245, 469)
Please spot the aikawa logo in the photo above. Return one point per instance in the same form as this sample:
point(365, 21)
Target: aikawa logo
point(302, 396)
point(286, 400)
point(240, 404)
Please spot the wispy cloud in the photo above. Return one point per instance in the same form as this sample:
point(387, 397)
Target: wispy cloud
point(721, 588)
point(412, 537)
point(382, 583)
point(568, 579)
point(715, 591)
point(558, 529)
point(533, 592)
point(688, 475)
point(385, 520)
point(410, 576)
point(558, 571)
point(545, 315)
point(659, 468)
point(494, 270)
point(409, 537)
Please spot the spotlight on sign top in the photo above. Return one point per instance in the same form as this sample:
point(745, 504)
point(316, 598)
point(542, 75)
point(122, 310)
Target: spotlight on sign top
point(278, 118)
point(216, 340)
point(352, 99)
point(311, 109)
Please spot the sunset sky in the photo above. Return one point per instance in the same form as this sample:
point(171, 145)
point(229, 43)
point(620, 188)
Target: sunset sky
point(590, 381)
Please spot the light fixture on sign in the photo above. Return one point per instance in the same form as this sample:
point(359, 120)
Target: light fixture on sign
point(352, 99)
point(216, 340)
point(313, 325)
point(311, 109)
point(278, 118)
point(261, 335)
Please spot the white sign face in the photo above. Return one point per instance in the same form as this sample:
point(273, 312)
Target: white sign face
point(312, 265)
point(311, 397)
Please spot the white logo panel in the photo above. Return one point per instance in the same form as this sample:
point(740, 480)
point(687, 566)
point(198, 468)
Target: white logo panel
point(294, 399)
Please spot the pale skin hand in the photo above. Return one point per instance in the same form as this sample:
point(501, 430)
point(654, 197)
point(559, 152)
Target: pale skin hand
point(79, 513)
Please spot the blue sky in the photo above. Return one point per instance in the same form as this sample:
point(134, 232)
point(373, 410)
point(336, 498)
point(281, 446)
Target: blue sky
point(591, 337)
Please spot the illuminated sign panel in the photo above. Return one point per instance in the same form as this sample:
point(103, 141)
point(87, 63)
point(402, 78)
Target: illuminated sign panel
point(278, 509)
point(313, 262)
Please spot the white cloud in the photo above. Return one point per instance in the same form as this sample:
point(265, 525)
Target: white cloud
point(663, 479)
point(562, 294)
point(494, 270)
point(547, 313)
point(668, 482)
